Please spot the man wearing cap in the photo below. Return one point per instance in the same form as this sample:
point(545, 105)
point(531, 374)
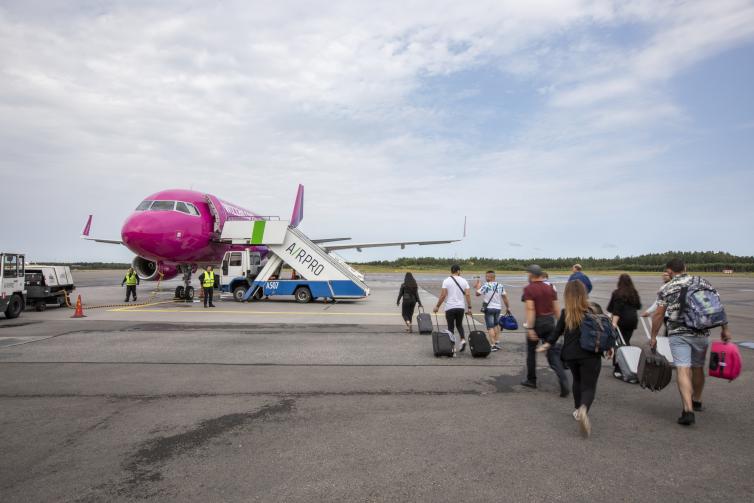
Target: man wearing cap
point(541, 308)
point(457, 297)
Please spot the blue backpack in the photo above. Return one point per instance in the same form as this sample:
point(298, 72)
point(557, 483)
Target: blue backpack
point(701, 308)
point(597, 333)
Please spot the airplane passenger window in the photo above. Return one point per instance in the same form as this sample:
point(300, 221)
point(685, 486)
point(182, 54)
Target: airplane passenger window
point(182, 207)
point(192, 209)
point(163, 206)
point(144, 206)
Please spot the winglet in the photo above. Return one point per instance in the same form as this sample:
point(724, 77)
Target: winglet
point(298, 207)
point(87, 227)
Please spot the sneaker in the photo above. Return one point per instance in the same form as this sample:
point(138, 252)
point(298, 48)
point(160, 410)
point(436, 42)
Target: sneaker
point(617, 374)
point(584, 424)
point(687, 418)
point(463, 346)
point(529, 384)
point(576, 414)
point(497, 345)
point(494, 348)
point(698, 407)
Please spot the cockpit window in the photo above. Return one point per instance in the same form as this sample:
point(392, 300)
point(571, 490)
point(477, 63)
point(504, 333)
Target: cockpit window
point(163, 206)
point(192, 209)
point(144, 206)
point(180, 206)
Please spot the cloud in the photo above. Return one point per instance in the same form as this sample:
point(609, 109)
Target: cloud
point(110, 102)
point(516, 245)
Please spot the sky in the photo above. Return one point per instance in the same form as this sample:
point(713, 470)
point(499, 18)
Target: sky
point(560, 128)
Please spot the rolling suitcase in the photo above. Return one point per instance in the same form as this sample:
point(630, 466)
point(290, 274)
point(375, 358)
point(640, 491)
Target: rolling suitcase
point(654, 371)
point(478, 343)
point(424, 322)
point(724, 360)
point(443, 342)
point(663, 343)
point(627, 358)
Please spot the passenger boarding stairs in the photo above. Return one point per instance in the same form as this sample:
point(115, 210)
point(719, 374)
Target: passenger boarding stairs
point(326, 274)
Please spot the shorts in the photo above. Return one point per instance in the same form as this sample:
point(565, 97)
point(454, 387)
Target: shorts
point(689, 350)
point(491, 317)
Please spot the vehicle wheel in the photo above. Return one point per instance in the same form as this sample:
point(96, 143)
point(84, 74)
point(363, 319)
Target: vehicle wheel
point(179, 292)
point(303, 295)
point(238, 293)
point(40, 306)
point(15, 306)
point(190, 293)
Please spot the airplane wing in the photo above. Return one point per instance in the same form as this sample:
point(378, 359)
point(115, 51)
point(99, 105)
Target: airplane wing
point(402, 244)
point(88, 227)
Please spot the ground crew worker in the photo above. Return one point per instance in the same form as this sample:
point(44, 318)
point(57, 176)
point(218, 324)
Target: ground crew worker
point(207, 279)
point(131, 279)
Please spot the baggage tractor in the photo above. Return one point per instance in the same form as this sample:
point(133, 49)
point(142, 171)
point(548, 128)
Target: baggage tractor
point(627, 358)
point(443, 342)
point(479, 345)
point(654, 371)
point(424, 322)
point(663, 343)
point(724, 361)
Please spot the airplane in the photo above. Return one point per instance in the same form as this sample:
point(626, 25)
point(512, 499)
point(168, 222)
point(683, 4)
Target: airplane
point(177, 231)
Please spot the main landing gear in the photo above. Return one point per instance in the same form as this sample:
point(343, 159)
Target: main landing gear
point(185, 291)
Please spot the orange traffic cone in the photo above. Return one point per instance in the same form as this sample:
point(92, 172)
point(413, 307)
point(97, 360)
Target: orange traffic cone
point(79, 309)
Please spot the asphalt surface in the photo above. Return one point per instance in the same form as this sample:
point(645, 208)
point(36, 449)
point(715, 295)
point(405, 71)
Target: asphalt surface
point(233, 405)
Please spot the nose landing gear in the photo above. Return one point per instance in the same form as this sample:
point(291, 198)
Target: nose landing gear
point(186, 291)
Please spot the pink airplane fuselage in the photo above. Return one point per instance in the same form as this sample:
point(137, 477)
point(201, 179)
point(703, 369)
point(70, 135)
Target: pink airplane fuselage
point(172, 237)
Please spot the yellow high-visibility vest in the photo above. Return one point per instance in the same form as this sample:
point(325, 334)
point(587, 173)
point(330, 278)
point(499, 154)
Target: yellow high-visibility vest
point(131, 279)
point(209, 279)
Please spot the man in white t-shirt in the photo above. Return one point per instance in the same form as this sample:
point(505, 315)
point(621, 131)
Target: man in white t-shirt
point(456, 295)
point(494, 296)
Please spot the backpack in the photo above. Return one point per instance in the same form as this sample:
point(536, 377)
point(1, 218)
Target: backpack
point(701, 308)
point(597, 333)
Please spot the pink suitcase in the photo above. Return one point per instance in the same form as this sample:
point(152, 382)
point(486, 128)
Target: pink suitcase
point(725, 360)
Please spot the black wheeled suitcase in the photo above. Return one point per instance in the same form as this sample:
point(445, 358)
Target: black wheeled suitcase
point(655, 371)
point(442, 342)
point(424, 322)
point(479, 345)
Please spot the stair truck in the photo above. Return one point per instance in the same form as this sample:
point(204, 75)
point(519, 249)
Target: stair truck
point(314, 273)
point(48, 284)
point(12, 284)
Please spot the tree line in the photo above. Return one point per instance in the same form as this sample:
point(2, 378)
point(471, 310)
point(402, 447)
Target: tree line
point(708, 261)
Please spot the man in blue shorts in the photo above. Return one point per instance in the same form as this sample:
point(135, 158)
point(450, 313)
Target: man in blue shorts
point(494, 296)
point(688, 346)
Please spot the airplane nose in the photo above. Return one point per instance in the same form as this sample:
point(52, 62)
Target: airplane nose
point(143, 233)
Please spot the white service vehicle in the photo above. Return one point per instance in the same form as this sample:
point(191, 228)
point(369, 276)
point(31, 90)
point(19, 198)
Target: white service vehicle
point(12, 284)
point(48, 284)
point(238, 271)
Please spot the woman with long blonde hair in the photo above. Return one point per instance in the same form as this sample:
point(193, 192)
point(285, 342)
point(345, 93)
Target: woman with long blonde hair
point(585, 366)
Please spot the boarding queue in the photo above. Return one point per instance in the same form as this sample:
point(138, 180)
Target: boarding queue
point(685, 310)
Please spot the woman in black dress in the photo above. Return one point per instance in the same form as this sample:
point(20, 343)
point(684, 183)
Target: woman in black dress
point(624, 306)
point(410, 294)
point(585, 366)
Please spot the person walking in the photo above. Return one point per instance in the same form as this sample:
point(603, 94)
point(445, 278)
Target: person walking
point(409, 293)
point(577, 273)
point(494, 296)
point(541, 307)
point(207, 280)
point(457, 298)
point(688, 346)
point(624, 306)
point(131, 279)
point(651, 309)
point(585, 366)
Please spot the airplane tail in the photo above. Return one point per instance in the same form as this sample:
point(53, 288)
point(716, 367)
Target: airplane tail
point(298, 207)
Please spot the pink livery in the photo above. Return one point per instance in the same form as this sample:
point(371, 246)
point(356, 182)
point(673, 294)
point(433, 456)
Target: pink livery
point(725, 360)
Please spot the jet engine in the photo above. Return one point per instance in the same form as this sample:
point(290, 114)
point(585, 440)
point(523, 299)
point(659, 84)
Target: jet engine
point(149, 270)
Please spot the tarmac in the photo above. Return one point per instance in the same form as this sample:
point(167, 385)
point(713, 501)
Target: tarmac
point(278, 401)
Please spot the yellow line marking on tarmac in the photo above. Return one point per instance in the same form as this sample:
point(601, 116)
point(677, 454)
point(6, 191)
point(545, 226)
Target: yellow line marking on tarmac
point(136, 307)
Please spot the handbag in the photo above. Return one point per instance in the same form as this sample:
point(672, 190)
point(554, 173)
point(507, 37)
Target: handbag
point(508, 322)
